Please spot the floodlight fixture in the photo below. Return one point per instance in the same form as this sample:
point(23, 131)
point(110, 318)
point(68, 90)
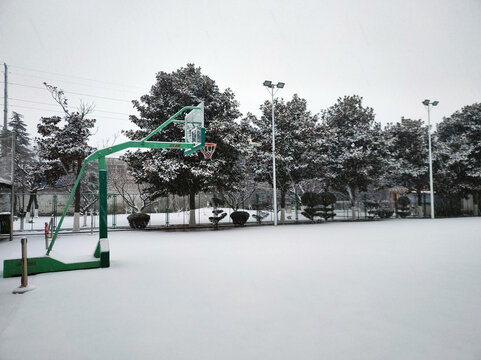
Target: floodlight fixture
point(268, 83)
point(434, 103)
point(426, 102)
point(280, 85)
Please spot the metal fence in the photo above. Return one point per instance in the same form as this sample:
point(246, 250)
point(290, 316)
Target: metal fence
point(32, 211)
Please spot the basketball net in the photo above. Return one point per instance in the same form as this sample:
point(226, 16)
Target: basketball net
point(208, 150)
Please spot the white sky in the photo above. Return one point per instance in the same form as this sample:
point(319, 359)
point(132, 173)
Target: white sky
point(393, 53)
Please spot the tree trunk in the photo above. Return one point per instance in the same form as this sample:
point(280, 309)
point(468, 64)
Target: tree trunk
point(192, 208)
point(76, 214)
point(77, 199)
point(352, 198)
point(283, 206)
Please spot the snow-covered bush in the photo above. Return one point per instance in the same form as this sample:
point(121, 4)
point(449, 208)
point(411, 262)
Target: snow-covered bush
point(261, 216)
point(218, 216)
point(312, 202)
point(239, 218)
point(327, 201)
point(138, 220)
point(372, 208)
point(385, 213)
point(404, 207)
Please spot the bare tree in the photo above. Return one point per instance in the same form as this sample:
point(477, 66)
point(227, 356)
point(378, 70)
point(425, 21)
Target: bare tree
point(135, 195)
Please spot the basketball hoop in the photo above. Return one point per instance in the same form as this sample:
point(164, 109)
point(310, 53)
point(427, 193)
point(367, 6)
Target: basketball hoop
point(208, 150)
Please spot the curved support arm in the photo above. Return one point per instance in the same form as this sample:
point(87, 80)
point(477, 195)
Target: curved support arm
point(126, 145)
point(170, 120)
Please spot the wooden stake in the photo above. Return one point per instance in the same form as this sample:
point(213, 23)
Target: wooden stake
point(24, 282)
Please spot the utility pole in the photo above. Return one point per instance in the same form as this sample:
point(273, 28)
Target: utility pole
point(5, 97)
point(12, 192)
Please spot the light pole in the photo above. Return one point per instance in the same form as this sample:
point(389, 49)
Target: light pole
point(271, 87)
point(428, 105)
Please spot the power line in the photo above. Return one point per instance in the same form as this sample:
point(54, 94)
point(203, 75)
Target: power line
point(61, 112)
point(76, 77)
point(43, 103)
point(74, 93)
point(70, 82)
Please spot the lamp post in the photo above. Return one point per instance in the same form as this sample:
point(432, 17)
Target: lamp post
point(428, 105)
point(271, 87)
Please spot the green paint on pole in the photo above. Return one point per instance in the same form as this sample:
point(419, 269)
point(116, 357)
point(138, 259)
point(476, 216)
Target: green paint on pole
point(103, 232)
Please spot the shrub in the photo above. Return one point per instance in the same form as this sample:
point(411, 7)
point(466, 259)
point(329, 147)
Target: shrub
point(310, 199)
point(372, 208)
point(384, 213)
point(138, 220)
point(261, 216)
point(311, 213)
point(312, 202)
point(239, 218)
point(404, 208)
point(327, 201)
point(218, 216)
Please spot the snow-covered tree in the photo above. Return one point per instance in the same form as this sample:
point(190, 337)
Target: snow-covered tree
point(27, 167)
point(407, 143)
point(295, 136)
point(169, 170)
point(458, 152)
point(351, 147)
point(63, 144)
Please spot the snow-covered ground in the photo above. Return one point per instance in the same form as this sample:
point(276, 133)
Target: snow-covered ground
point(397, 289)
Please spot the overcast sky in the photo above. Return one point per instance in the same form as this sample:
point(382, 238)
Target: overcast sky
point(393, 53)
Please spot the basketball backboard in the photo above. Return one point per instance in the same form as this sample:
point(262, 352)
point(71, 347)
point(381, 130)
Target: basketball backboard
point(194, 122)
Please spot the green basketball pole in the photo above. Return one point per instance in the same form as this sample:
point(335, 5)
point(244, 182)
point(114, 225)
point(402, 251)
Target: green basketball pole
point(101, 256)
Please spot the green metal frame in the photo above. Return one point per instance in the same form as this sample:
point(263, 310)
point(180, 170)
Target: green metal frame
point(46, 264)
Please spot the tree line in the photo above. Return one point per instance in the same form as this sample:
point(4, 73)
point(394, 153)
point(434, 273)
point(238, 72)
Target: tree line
point(343, 148)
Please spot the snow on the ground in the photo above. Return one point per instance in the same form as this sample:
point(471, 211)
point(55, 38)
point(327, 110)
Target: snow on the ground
point(397, 289)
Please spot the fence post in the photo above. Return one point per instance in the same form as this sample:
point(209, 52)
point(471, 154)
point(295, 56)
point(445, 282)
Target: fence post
point(91, 222)
point(114, 212)
point(46, 235)
point(54, 210)
point(395, 207)
point(24, 280)
point(424, 205)
point(297, 207)
point(198, 207)
point(167, 211)
point(365, 209)
point(184, 211)
point(50, 226)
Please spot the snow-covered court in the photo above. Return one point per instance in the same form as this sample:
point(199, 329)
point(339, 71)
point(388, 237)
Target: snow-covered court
point(397, 289)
